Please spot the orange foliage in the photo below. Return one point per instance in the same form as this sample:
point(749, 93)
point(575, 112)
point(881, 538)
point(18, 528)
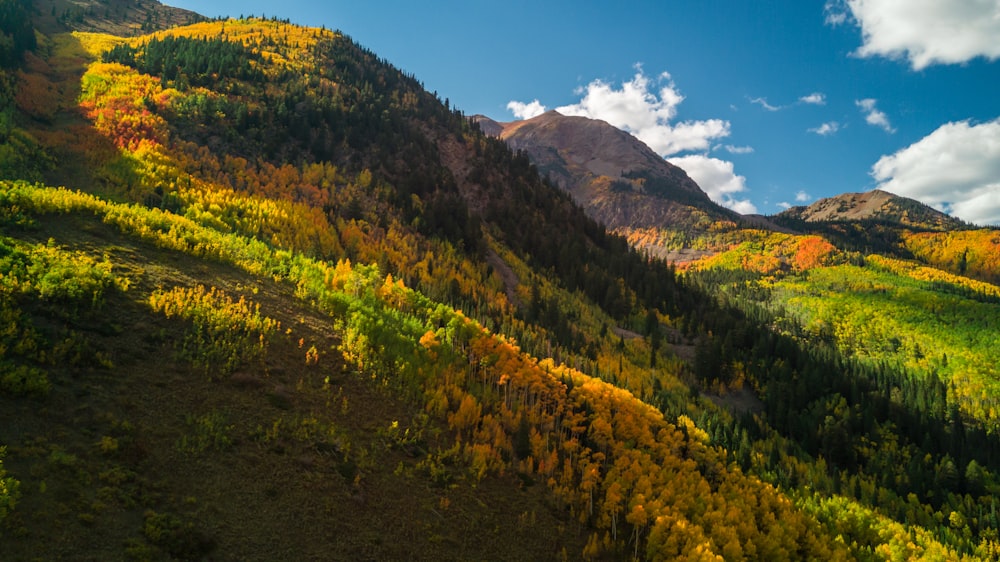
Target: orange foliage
point(114, 97)
point(812, 251)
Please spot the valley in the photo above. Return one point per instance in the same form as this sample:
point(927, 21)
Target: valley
point(263, 296)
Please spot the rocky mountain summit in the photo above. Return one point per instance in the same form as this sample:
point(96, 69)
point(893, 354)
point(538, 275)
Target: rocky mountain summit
point(875, 205)
point(616, 178)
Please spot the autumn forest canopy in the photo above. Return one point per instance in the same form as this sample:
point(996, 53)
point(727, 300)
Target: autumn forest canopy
point(264, 296)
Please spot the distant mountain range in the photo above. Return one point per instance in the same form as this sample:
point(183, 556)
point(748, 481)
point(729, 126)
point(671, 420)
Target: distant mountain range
point(621, 182)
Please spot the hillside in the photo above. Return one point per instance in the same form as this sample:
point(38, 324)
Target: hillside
point(224, 436)
point(290, 305)
point(125, 18)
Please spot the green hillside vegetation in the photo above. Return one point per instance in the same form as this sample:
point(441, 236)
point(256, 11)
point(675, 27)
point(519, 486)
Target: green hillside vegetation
point(508, 413)
point(291, 305)
point(904, 404)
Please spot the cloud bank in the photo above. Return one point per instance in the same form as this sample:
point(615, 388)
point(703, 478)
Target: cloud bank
point(923, 32)
point(955, 169)
point(646, 107)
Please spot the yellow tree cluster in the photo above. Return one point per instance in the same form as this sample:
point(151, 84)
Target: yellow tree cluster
point(645, 485)
point(224, 332)
point(975, 253)
point(934, 275)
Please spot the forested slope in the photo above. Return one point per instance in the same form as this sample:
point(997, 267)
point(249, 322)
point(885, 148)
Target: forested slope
point(441, 336)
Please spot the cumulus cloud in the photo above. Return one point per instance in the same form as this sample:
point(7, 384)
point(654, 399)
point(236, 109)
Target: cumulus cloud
point(523, 110)
point(828, 128)
point(647, 112)
point(874, 116)
point(718, 180)
point(802, 197)
point(785, 205)
point(955, 169)
point(924, 32)
point(738, 149)
point(815, 98)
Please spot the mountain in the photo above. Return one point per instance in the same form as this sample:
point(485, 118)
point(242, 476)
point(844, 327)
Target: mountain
point(291, 305)
point(286, 285)
point(126, 18)
point(615, 177)
point(874, 205)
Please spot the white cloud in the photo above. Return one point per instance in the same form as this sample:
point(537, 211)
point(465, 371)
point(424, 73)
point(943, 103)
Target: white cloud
point(874, 116)
point(828, 128)
point(835, 13)
point(925, 32)
point(647, 113)
point(763, 103)
point(688, 135)
point(815, 98)
point(955, 169)
point(523, 110)
point(802, 197)
point(738, 149)
point(785, 205)
point(717, 178)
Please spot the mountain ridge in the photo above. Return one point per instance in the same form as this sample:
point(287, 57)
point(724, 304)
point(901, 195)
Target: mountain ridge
point(126, 18)
point(876, 204)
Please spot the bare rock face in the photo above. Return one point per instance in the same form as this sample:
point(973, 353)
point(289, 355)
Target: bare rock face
point(125, 18)
point(615, 177)
point(488, 126)
point(874, 205)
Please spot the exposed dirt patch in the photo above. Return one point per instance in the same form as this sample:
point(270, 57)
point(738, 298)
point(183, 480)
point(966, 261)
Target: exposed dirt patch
point(740, 401)
point(682, 256)
point(627, 334)
point(510, 280)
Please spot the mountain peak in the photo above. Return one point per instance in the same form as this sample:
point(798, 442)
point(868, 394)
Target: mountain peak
point(874, 205)
point(617, 178)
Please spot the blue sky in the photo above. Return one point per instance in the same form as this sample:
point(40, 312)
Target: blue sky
point(765, 104)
